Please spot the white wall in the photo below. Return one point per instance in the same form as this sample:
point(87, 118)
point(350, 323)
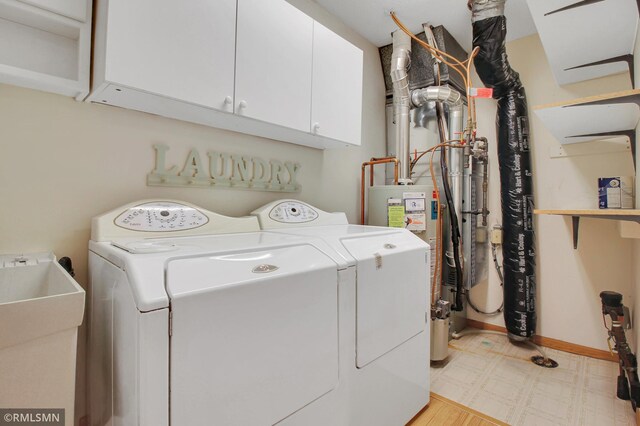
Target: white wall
point(63, 162)
point(568, 281)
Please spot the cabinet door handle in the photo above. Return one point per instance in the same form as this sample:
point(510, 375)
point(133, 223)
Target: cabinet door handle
point(228, 100)
point(316, 128)
point(242, 104)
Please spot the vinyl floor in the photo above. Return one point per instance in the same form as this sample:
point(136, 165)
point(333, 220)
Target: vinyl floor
point(486, 373)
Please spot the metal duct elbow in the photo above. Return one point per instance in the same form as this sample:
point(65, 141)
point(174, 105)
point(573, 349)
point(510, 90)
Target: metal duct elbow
point(400, 60)
point(445, 94)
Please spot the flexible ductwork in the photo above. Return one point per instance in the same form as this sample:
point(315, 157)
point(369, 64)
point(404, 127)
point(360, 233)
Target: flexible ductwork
point(401, 101)
point(492, 65)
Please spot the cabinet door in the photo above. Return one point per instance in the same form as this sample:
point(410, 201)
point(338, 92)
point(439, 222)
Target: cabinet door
point(178, 49)
point(273, 63)
point(336, 110)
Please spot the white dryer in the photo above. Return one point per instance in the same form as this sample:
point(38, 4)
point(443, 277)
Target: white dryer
point(199, 319)
point(384, 309)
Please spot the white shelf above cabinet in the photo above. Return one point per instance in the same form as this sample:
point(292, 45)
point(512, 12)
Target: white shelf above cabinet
point(586, 39)
point(45, 51)
point(593, 118)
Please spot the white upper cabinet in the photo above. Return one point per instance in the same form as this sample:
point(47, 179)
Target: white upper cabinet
point(273, 68)
point(336, 108)
point(249, 66)
point(586, 39)
point(182, 50)
point(75, 9)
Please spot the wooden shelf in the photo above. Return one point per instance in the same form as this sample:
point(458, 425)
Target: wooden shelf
point(615, 214)
point(610, 214)
point(605, 98)
point(594, 118)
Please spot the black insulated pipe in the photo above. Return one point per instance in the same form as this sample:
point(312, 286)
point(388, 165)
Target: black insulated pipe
point(492, 65)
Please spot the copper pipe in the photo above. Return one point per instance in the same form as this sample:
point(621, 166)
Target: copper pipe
point(371, 175)
point(372, 163)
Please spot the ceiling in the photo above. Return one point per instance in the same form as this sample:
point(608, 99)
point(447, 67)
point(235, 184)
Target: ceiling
point(371, 19)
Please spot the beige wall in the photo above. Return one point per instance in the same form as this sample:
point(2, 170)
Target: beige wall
point(635, 261)
point(63, 162)
point(569, 281)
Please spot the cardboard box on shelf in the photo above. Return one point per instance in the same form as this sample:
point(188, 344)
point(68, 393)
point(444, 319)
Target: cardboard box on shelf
point(616, 192)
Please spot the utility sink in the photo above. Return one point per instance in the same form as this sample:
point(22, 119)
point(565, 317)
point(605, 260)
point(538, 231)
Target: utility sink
point(41, 307)
point(37, 298)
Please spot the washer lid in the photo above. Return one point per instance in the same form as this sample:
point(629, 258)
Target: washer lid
point(187, 277)
point(145, 261)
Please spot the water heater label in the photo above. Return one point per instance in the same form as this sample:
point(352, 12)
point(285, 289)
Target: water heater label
point(416, 222)
point(395, 213)
point(414, 201)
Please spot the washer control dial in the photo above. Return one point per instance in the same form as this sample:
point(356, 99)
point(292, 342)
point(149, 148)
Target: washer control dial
point(161, 217)
point(292, 212)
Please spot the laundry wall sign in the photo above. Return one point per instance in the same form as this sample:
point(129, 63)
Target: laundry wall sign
point(221, 169)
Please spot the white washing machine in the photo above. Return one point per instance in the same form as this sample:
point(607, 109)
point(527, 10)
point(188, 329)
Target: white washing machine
point(200, 319)
point(384, 309)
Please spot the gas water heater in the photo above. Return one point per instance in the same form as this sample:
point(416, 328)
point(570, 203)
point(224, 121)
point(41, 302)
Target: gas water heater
point(426, 111)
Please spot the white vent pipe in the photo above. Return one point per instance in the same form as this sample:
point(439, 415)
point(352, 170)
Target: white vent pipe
point(456, 160)
point(400, 60)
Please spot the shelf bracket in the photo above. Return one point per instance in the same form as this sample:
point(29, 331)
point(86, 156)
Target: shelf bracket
point(575, 220)
point(623, 58)
point(631, 134)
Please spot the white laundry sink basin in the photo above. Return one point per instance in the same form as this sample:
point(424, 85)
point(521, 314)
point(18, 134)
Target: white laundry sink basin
point(41, 307)
point(37, 298)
